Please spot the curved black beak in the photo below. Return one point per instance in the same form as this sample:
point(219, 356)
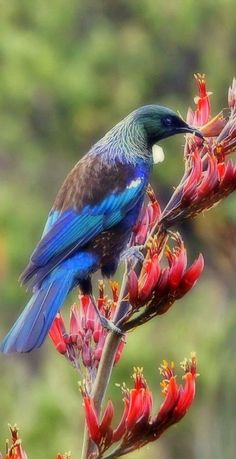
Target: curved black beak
point(188, 129)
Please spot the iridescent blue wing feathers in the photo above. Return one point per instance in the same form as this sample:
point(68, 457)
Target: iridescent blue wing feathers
point(72, 228)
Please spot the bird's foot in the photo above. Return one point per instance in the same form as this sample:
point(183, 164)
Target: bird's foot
point(133, 252)
point(106, 323)
point(110, 326)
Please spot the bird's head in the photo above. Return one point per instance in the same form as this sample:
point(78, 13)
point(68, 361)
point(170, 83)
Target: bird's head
point(160, 122)
point(135, 136)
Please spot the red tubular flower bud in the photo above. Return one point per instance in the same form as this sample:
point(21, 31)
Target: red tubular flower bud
point(221, 169)
point(172, 393)
point(153, 206)
point(190, 185)
point(133, 287)
point(57, 334)
point(75, 325)
point(150, 215)
point(92, 420)
point(163, 283)
point(107, 418)
point(177, 268)
point(97, 332)
point(192, 275)
point(201, 115)
point(115, 290)
point(147, 406)
point(202, 101)
point(86, 355)
point(134, 409)
point(99, 348)
point(152, 273)
point(141, 228)
point(228, 175)
point(84, 304)
point(187, 393)
point(210, 179)
point(145, 396)
point(90, 313)
point(201, 83)
point(154, 213)
point(226, 141)
point(140, 401)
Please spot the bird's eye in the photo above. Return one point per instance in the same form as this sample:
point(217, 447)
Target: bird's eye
point(168, 121)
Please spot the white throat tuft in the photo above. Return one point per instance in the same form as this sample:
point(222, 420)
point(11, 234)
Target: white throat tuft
point(157, 154)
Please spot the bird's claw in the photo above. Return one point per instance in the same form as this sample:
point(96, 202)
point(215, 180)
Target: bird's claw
point(134, 251)
point(110, 326)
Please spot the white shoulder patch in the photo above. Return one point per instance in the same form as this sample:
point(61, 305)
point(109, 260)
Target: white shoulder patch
point(134, 183)
point(157, 154)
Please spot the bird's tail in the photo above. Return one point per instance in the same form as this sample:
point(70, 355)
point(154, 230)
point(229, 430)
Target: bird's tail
point(31, 328)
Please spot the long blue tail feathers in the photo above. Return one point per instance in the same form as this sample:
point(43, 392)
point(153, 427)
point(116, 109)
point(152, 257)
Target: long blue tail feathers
point(31, 328)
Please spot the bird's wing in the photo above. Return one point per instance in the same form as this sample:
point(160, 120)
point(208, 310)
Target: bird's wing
point(74, 221)
point(79, 228)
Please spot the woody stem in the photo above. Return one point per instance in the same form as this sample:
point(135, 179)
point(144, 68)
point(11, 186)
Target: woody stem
point(103, 376)
point(109, 352)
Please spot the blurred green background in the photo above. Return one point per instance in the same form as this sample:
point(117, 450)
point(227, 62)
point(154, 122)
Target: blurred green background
point(69, 70)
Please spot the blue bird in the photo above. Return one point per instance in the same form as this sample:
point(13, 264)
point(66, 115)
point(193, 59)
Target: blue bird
point(91, 221)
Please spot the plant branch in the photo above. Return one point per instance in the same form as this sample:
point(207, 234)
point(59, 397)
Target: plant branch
point(104, 373)
point(111, 344)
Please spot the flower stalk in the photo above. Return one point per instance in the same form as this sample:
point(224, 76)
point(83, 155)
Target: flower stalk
point(83, 344)
point(137, 426)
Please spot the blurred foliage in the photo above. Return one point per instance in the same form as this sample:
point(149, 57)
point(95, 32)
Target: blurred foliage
point(68, 72)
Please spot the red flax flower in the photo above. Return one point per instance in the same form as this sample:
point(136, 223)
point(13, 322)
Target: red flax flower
point(15, 450)
point(157, 287)
point(85, 340)
point(201, 114)
point(208, 176)
point(149, 217)
point(137, 426)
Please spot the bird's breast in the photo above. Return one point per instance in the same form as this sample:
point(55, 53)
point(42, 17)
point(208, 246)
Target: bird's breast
point(109, 244)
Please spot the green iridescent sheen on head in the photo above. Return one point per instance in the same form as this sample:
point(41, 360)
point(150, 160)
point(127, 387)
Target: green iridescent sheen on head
point(159, 122)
